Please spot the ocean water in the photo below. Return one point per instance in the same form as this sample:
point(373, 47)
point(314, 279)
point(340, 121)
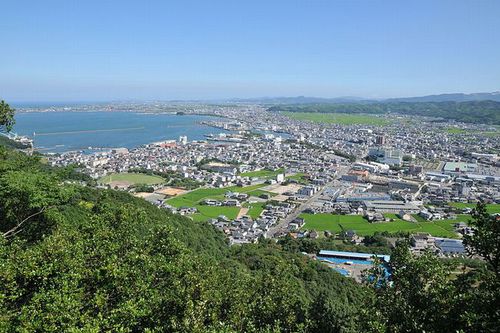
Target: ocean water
point(58, 132)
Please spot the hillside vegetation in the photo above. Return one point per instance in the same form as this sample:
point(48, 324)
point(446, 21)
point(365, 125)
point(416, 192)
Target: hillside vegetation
point(7, 142)
point(77, 258)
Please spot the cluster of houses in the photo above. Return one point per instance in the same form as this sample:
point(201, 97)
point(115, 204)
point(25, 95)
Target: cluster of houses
point(233, 199)
point(446, 247)
point(244, 229)
point(404, 168)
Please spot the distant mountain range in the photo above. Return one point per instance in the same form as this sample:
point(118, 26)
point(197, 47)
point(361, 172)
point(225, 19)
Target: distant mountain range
point(456, 97)
point(302, 100)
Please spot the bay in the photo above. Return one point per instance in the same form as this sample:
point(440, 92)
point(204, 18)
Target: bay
point(58, 132)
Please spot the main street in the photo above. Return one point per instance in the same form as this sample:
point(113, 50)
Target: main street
point(282, 226)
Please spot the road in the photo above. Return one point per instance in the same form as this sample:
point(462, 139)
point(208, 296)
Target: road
point(282, 226)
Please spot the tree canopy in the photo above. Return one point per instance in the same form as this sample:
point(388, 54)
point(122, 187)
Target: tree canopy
point(6, 116)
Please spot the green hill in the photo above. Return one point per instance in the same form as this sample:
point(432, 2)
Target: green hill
point(9, 143)
point(102, 260)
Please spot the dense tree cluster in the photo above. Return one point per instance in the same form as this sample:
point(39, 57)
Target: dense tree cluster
point(6, 117)
point(172, 178)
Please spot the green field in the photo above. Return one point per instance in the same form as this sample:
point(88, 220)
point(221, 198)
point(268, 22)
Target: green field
point(454, 130)
point(207, 212)
point(255, 210)
point(133, 178)
point(338, 118)
point(257, 193)
point(490, 208)
point(298, 177)
point(491, 134)
point(190, 199)
point(338, 223)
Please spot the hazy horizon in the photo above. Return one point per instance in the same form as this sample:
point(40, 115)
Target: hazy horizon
point(192, 50)
point(47, 103)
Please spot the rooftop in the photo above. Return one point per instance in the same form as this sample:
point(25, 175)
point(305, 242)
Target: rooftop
point(357, 255)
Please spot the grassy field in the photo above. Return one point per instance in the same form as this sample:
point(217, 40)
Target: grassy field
point(338, 223)
point(190, 199)
point(255, 210)
point(490, 208)
point(207, 212)
point(256, 193)
point(298, 177)
point(453, 130)
point(338, 118)
point(134, 178)
point(491, 134)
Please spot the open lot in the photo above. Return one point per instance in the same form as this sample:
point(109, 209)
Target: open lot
point(257, 193)
point(455, 130)
point(338, 118)
point(280, 189)
point(131, 179)
point(171, 191)
point(338, 223)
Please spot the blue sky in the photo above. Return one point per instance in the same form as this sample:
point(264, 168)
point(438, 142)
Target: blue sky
point(114, 50)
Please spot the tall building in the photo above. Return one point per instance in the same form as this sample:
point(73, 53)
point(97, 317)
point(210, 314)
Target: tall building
point(380, 140)
point(389, 156)
point(183, 139)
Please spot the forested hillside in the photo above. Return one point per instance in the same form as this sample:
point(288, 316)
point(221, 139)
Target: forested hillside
point(74, 257)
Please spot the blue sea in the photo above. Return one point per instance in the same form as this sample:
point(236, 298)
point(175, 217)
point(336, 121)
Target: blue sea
point(58, 132)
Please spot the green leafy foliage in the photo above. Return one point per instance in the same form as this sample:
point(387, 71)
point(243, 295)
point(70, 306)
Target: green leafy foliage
point(427, 294)
point(486, 237)
point(6, 116)
point(7, 142)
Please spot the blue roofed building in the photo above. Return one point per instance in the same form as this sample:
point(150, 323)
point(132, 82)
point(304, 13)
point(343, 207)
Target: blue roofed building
point(449, 247)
